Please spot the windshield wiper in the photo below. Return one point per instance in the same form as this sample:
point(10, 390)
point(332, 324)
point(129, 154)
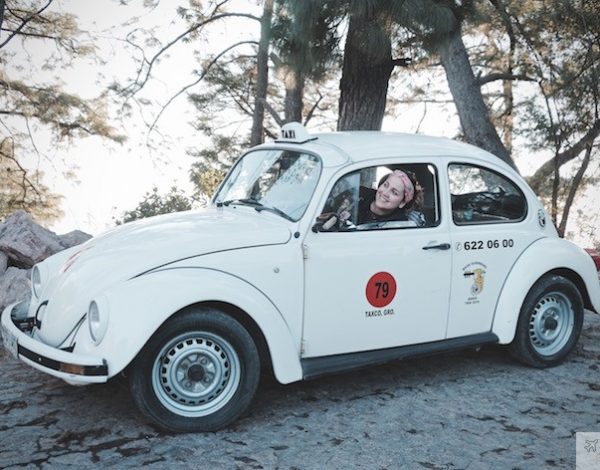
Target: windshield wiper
point(249, 201)
point(274, 210)
point(258, 206)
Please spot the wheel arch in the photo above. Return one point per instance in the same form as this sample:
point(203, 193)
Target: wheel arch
point(140, 306)
point(246, 321)
point(567, 260)
point(576, 279)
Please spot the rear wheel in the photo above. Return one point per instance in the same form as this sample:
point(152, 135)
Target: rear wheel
point(549, 322)
point(198, 372)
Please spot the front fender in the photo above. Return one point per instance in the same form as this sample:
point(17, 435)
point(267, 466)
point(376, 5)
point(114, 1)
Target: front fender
point(543, 256)
point(138, 307)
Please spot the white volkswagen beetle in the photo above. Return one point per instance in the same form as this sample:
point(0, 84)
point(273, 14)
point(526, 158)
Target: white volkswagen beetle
point(319, 254)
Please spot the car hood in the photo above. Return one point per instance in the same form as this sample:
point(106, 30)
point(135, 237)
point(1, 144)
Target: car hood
point(135, 248)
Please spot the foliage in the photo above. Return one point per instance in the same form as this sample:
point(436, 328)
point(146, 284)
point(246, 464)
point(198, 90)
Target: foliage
point(555, 46)
point(306, 36)
point(154, 203)
point(211, 164)
point(22, 189)
point(29, 107)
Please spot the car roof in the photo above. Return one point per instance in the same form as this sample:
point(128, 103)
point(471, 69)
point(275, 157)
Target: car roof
point(366, 145)
point(341, 148)
point(358, 146)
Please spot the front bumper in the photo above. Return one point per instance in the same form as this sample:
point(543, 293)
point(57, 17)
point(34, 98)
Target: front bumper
point(71, 367)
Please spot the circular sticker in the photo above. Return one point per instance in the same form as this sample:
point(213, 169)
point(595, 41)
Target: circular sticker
point(381, 289)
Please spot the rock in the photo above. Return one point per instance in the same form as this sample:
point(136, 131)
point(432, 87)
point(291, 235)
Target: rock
point(3, 263)
point(14, 286)
point(25, 242)
point(76, 237)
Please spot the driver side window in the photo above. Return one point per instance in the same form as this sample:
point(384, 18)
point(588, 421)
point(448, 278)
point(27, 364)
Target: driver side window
point(382, 197)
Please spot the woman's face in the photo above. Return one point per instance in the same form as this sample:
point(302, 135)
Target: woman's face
point(389, 196)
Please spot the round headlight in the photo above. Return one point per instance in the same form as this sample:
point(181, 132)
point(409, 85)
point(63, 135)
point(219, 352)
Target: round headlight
point(97, 322)
point(36, 281)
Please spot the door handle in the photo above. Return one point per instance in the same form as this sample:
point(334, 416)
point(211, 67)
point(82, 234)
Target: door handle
point(441, 246)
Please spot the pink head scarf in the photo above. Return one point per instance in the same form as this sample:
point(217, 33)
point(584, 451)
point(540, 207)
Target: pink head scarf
point(409, 189)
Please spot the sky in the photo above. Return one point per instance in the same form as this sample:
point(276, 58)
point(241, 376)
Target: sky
point(112, 178)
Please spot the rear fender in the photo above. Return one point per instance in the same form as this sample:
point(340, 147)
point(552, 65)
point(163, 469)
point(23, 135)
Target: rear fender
point(544, 256)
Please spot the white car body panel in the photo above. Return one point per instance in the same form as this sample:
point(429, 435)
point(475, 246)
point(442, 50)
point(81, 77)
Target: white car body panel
point(338, 317)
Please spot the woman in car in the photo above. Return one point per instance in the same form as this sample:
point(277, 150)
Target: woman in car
point(397, 197)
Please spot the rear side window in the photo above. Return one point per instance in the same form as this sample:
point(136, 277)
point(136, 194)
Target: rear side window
point(481, 196)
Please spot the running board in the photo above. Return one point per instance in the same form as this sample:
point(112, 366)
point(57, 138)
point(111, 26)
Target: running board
point(317, 366)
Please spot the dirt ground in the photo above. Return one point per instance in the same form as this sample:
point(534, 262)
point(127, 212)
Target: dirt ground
point(475, 410)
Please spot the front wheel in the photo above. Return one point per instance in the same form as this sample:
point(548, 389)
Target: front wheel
point(549, 322)
point(198, 372)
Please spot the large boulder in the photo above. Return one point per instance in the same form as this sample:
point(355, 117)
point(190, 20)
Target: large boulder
point(25, 242)
point(14, 286)
point(74, 238)
point(3, 263)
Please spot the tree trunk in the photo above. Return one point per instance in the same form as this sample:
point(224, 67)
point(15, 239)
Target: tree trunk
point(262, 75)
point(472, 111)
point(294, 96)
point(573, 190)
point(507, 121)
point(509, 99)
point(2, 5)
point(364, 82)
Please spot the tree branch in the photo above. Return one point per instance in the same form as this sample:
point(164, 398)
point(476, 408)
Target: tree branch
point(402, 62)
point(274, 114)
point(139, 84)
point(314, 107)
point(198, 80)
point(492, 77)
point(63, 125)
point(24, 23)
point(25, 179)
point(269, 133)
point(29, 34)
point(242, 103)
point(565, 156)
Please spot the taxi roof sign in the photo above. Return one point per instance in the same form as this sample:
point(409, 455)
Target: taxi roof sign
point(294, 132)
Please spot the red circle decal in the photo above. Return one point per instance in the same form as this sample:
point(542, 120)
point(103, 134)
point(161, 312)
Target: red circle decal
point(381, 289)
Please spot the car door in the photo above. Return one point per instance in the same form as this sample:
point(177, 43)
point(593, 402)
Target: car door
point(490, 228)
point(377, 285)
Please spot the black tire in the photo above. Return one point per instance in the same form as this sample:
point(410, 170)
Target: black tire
point(549, 322)
point(198, 372)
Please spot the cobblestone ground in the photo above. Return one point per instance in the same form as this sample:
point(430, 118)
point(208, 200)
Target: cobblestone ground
point(475, 410)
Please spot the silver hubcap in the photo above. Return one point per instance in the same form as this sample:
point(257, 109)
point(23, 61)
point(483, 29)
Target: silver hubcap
point(196, 374)
point(551, 323)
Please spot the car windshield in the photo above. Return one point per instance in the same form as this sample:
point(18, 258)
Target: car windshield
point(279, 181)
